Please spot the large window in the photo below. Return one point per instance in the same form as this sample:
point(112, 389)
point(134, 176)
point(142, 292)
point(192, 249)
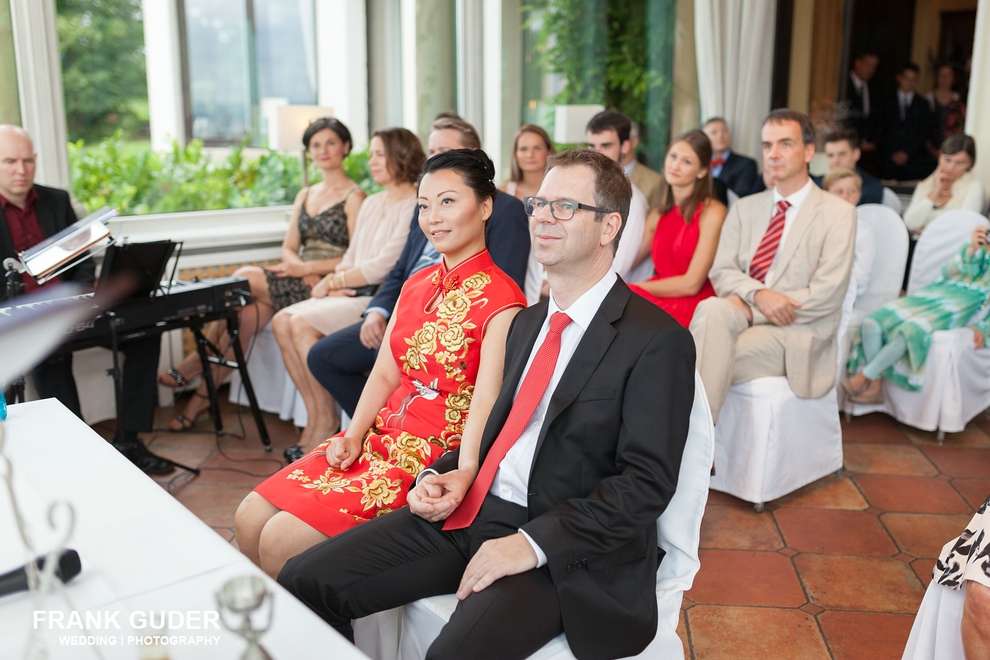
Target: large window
point(10, 112)
point(239, 53)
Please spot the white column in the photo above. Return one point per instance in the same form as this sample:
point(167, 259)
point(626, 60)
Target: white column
point(978, 104)
point(410, 95)
point(163, 63)
point(492, 83)
point(39, 78)
point(342, 63)
point(474, 31)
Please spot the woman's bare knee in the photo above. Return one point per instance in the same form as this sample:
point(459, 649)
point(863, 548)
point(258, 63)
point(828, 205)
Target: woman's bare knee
point(284, 537)
point(250, 518)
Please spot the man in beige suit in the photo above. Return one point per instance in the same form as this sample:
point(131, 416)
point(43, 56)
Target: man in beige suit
point(781, 272)
point(647, 180)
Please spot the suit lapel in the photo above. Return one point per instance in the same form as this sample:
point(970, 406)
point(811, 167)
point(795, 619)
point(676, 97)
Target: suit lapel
point(6, 241)
point(804, 219)
point(597, 338)
point(46, 213)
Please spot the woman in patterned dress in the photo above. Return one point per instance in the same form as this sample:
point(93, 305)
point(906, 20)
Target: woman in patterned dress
point(326, 213)
point(447, 341)
point(894, 340)
point(682, 234)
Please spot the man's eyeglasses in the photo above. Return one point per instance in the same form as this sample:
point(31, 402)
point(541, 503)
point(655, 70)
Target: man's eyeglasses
point(561, 209)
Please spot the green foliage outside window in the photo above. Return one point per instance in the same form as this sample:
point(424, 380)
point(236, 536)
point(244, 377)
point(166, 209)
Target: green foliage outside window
point(141, 181)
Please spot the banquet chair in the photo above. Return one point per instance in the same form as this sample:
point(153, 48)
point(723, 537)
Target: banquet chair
point(891, 200)
point(957, 377)
point(678, 534)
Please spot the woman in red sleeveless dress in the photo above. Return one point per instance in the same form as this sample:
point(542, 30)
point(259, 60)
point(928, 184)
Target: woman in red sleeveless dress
point(447, 335)
point(682, 235)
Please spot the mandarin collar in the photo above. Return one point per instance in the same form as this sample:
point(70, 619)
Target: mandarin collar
point(448, 280)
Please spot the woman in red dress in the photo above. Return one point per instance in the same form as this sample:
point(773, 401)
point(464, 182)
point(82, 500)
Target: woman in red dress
point(682, 234)
point(446, 338)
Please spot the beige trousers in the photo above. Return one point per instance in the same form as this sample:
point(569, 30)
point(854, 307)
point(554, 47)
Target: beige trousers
point(731, 351)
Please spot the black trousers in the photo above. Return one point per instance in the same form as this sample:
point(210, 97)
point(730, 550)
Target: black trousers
point(399, 558)
point(53, 378)
point(340, 362)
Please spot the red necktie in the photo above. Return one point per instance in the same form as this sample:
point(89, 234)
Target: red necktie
point(717, 162)
point(771, 241)
point(530, 393)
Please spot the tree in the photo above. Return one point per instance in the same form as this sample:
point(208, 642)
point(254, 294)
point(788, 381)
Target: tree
point(103, 68)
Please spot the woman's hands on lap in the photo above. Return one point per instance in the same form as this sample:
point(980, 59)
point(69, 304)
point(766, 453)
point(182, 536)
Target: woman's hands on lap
point(290, 269)
point(343, 451)
point(978, 239)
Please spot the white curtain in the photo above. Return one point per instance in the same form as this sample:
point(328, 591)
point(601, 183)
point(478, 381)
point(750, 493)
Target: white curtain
point(734, 44)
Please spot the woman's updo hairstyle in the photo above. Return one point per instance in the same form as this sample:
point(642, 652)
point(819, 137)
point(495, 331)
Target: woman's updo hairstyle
point(323, 123)
point(473, 165)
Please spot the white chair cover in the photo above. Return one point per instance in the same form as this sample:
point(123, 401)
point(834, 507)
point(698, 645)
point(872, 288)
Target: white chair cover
point(678, 532)
point(275, 391)
point(891, 199)
point(936, 634)
point(957, 377)
point(887, 273)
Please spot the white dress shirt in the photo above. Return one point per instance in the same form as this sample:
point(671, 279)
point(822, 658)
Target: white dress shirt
point(904, 100)
point(511, 482)
point(796, 199)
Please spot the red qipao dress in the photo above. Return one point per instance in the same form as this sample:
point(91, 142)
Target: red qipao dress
point(673, 247)
point(437, 348)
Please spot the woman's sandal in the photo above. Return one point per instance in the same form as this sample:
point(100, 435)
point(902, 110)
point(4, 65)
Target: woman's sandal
point(186, 423)
point(179, 381)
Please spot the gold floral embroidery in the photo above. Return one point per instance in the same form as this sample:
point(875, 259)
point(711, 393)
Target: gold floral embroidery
point(413, 360)
point(454, 307)
point(425, 339)
point(298, 475)
point(477, 281)
point(332, 480)
point(379, 492)
point(453, 338)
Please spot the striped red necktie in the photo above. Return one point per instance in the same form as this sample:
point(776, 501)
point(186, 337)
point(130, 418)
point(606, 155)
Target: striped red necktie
point(530, 393)
point(760, 264)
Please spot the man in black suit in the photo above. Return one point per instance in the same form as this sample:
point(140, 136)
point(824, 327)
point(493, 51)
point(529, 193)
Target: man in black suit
point(738, 172)
point(341, 361)
point(842, 150)
point(861, 97)
point(31, 213)
point(573, 472)
point(905, 126)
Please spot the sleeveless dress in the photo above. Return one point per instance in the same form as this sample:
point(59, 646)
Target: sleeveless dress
point(673, 247)
point(438, 352)
point(323, 236)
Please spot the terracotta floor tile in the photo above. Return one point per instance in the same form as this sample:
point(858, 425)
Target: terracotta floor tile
point(736, 528)
point(880, 636)
point(887, 459)
point(873, 428)
point(870, 584)
point(923, 534)
point(724, 499)
point(733, 577)
point(240, 466)
point(214, 504)
point(911, 494)
point(975, 491)
point(746, 633)
point(923, 569)
point(972, 436)
point(826, 493)
point(960, 462)
point(834, 532)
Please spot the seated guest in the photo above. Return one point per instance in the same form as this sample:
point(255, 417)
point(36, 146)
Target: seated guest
point(341, 361)
point(608, 133)
point(644, 178)
point(325, 215)
point(446, 343)
point(948, 109)
point(30, 213)
point(339, 299)
point(736, 171)
point(781, 273)
point(842, 150)
point(682, 234)
point(556, 531)
point(530, 151)
point(895, 339)
point(903, 131)
point(845, 183)
point(951, 186)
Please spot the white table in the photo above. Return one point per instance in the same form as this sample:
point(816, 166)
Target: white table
point(141, 551)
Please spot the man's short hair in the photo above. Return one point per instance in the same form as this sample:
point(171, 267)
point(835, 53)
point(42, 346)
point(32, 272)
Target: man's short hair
point(610, 120)
point(863, 54)
point(613, 191)
point(712, 120)
point(843, 134)
point(840, 173)
point(446, 122)
point(780, 115)
point(910, 66)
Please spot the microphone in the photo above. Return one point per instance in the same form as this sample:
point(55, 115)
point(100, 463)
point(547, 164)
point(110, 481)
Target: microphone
point(16, 580)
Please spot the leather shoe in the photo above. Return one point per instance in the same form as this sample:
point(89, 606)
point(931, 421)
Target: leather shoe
point(143, 459)
point(294, 453)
